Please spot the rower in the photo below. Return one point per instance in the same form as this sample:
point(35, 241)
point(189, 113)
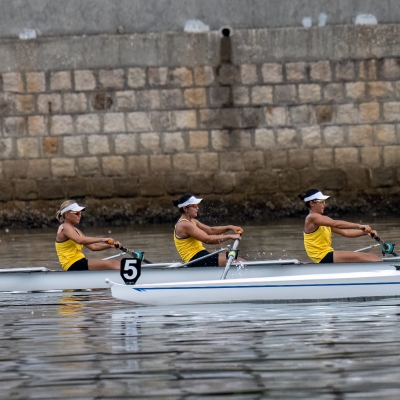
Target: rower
point(318, 233)
point(70, 242)
point(190, 234)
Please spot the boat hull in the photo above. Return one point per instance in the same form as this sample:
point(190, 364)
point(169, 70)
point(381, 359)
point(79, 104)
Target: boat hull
point(318, 287)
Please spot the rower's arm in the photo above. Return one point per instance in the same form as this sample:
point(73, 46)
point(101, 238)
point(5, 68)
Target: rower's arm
point(70, 233)
point(349, 233)
point(218, 230)
point(322, 220)
point(98, 246)
point(196, 232)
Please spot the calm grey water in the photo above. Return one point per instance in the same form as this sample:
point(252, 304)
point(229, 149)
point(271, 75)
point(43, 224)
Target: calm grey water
point(90, 346)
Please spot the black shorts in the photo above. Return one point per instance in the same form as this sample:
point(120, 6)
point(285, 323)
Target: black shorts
point(328, 259)
point(80, 265)
point(211, 261)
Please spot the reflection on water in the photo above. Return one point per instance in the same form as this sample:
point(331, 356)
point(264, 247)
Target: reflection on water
point(87, 345)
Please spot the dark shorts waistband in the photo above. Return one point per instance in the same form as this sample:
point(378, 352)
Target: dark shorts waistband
point(328, 259)
point(211, 261)
point(80, 265)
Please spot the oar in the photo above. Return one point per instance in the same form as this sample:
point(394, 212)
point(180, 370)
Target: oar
point(134, 253)
point(366, 248)
point(175, 265)
point(231, 256)
point(387, 247)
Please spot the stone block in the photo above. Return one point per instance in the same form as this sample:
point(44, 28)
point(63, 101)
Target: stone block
point(228, 74)
point(390, 69)
point(248, 74)
point(210, 119)
point(173, 142)
point(272, 73)
point(369, 112)
point(334, 136)
point(184, 162)
point(26, 190)
point(182, 77)
point(150, 142)
point(367, 70)
point(6, 104)
point(199, 182)
point(114, 122)
point(100, 101)
point(287, 138)
point(195, 97)
point(88, 166)
point(220, 96)
point(391, 111)
point(28, 148)
point(151, 185)
point(125, 100)
point(285, 94)
point(370, 157)
point(171, 99)
point(385, 134)
point(231, 161)
point(161, 163)
point(249, 117)
point(75, 102)
point(126, 187)
point(185, 119)
point(240, 95)
point(346, 156)
point(299, 158)
point(323, 114)
point(333, 92)
point(157, 76)
point(322, 158)
point(204, 76)
point(383, 177)
point(50, 145)
point(88, 123)
point(266, 181)
point(136, 77)
point(223, 183)
point(37, 126)
point(355, 90)
point(112, 78)
point(137, 165)
point(51, 189)
point(253, 160)
point(345, 71)
point(380, 90)
point(15, 169)
point(357, 178)
point(126, 143)
point(49, 103)
point(35, 82)
point(321, 71)
point(60, 80)
point(220, 140)
point(39, 169)
point(84, 80)
point(241, 139)
point(198, 140)
point(98, 145)
point(311, 136)
point(24, 103)
point(310, 93)
point(12, 82)
point(208, 162)
point(300, 115)
point(296, 71)
point(261, 95)
point(138, 122)
point(6, 148)
point(101, 188)
point(346, 114)
point(361, 135)
point(335, 179)
point(147, 99)
point(162, 121)
point(391, 156)
point(276, 159)
point(61, 125)
point(63, 167)
point(6, 191)
point(275, 116)
point(289, 180)
point(264, 138)
point(14, 126)
point(73, 146)
point(113, 166)
point(76, 187)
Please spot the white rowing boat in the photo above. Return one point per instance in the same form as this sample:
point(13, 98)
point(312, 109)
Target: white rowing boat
point(42, 279)
point(314, 287)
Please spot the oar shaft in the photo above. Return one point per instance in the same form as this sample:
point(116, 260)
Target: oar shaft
point(126, 250)
point(230, 259)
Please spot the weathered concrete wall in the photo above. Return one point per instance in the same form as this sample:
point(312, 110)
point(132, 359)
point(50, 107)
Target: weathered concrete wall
point(247, 121)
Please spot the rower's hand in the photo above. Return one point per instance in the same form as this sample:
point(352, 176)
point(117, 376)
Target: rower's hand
point(112, 242)
point(237, 236)
point(373, 234)
point(236, 229)
point(366, 228)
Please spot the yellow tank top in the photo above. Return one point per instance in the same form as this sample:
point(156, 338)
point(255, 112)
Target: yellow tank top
point(318, 243)
point(188, 247)
point(69, 252)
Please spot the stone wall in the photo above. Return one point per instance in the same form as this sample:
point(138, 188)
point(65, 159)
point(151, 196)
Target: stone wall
point(246, 128)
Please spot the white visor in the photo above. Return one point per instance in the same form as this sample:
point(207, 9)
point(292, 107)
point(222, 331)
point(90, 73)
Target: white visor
point(72, 207)
point(316, 196)
point(192, 200)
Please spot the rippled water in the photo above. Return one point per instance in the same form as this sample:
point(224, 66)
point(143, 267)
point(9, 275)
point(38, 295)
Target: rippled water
point(91, 346)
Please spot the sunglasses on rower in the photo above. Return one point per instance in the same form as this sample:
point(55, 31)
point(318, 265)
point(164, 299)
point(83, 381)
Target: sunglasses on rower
point(319, 201)
point(75, 212)
point(193, 205)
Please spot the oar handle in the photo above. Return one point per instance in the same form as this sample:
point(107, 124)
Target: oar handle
point(134, 253)
point(231, 257)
